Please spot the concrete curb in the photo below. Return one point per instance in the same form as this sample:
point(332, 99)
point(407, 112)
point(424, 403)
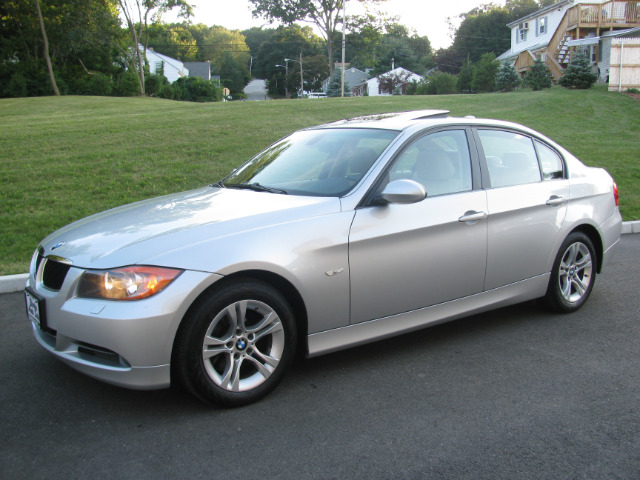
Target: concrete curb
point(15, 283)
point(631, 227)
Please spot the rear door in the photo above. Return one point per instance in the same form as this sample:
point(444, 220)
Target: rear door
point(527, 204)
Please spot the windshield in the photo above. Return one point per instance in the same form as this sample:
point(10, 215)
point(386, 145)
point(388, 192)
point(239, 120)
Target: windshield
point(322, 162)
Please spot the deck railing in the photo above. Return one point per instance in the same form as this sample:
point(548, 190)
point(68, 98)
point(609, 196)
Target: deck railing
point(610, 14)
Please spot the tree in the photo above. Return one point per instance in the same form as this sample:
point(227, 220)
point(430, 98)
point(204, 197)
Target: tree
point(393, 82)
point(484, 29)
point(325, 14)
point(465, 77)
point(507, 78)
point(397, 47)
point(287, 42)
point(537, 77)
point(335, 85)
point(233, 75)
point(578, 74)
point(484, 78)
point(45, 41)
point(81, 36)
point(137, 14)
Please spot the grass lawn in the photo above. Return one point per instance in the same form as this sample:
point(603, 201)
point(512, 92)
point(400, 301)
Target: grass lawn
point(64, 158)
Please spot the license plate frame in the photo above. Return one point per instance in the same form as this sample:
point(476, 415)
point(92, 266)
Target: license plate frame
point(36, 312)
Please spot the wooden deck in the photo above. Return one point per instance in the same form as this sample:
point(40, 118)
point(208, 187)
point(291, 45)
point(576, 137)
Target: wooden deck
point(611, 15)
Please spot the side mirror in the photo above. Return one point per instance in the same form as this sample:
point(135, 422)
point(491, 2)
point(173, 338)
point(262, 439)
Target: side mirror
point(403, 191)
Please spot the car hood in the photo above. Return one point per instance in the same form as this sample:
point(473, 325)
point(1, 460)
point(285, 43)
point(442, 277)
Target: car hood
point(133, 233)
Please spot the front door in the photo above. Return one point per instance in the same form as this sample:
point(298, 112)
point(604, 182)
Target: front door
point(406, 257)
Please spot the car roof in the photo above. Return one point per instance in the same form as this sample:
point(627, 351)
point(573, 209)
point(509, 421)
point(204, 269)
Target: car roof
point(418, 119)
point(388, 121)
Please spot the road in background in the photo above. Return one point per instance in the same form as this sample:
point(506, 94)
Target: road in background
point(256, 90)
point(514, 394)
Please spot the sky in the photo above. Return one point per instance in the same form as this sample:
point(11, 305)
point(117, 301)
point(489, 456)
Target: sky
point(426, 17)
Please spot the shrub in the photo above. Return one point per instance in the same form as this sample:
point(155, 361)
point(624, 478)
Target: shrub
point(465, 77)
point(16, 87)
point(97, 84)
point(154, 83)
point(195, 89)
point(507, 78)
point(578, 74)
point(443, 83)
point(484, 77)
point(127, 85)
point(537, 76)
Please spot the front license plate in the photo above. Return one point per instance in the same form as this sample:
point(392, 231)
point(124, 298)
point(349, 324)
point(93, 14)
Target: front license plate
point(35, 308)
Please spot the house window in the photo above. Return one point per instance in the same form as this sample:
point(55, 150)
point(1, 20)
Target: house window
point(541, 26)
point(160, 68)
point(522, 35)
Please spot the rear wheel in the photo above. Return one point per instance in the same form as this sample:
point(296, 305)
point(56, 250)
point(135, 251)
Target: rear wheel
point(573, 274)
point(235, 345)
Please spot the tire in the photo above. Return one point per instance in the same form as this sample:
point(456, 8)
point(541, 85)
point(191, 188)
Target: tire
point(573, 274)
point(235, 345)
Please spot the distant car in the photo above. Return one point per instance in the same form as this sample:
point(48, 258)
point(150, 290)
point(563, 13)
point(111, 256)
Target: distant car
point(317, 95)
point(332, 237)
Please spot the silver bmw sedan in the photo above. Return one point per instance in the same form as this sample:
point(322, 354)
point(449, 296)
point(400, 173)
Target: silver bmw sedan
point(332, 237)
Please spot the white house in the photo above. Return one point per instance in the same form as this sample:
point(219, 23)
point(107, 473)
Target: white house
point(553, 33)
point(160, 64)
point(373, 87)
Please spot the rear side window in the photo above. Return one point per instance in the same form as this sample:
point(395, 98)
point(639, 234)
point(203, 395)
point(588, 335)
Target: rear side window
point(550, 161)
point(511, 158)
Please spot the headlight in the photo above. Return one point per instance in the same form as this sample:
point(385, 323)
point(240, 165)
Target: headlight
point(127, 283)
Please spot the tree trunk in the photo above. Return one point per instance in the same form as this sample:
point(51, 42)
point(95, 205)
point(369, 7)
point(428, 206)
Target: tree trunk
point(46, 51)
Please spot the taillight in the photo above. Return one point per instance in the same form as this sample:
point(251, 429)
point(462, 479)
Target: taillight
point(615, 194)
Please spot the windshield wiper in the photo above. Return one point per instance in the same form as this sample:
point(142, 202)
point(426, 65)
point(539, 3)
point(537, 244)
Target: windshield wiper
point(256, 187)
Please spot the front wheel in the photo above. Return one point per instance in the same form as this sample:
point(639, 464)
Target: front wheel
point(573, 274)
point(235, 345)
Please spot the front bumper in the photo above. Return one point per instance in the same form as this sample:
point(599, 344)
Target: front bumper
point(125, 343)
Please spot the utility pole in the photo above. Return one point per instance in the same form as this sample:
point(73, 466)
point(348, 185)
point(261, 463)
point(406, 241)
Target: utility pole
point(301, 78)
point(301, 74)
point(344, 8)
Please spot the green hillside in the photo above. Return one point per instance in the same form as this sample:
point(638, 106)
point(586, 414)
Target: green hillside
point(67, 157)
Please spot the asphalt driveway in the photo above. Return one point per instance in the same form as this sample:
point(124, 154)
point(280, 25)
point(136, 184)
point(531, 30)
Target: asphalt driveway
point(514, 394)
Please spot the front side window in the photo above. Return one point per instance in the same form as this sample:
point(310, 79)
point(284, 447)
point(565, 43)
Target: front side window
point(439, 161)
point(511, 158)
point(319, 162)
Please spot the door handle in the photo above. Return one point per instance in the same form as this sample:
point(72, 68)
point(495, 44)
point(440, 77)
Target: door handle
point(472, 216)
point(555, 200)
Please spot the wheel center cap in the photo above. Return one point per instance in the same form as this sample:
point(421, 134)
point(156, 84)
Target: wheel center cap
point(241, 344)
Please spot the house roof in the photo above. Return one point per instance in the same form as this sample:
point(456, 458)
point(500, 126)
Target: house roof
point(509, 54)
point(177, 64)
point(630, 32)
point(199, 69)
point(352, 77)
point(537, 13)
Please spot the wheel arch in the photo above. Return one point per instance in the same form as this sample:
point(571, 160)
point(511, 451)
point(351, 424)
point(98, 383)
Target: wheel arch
point(278, 282)
point(593, 235)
